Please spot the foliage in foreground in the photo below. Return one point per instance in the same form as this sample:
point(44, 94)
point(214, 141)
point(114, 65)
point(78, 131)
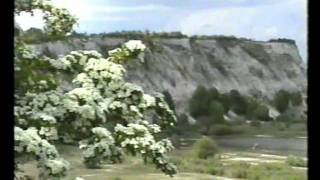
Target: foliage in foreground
point(271, 171)
point(106, 115)
point(296, 161)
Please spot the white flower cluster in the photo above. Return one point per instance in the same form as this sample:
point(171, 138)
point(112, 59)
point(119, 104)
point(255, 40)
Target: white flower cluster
point(45, 117)
point(56, 167)
point(134, 137)
point(162, 146)
point(130, 49)
point(104, 69)
point(42, 109)
point(153, 128)
point(102, 133)
point(49, 133)
point(131, 129)
point(148, 101)
point(83, 80)
point(28, 141)
point(137, 138)
point(134, 45)
point(100, 147)
point(114, 51)
point(83, 93)
point(73, 60)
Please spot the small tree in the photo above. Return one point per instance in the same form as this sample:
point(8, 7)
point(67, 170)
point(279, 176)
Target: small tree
point(252, 106)
point(225, 101)
point(198, 104)
point(239, 102)
point(256, 110)
point(216, 112)
point(261, 113)
point(168, 98)
point(216, 116)
point(281, 100)
point(213, 94)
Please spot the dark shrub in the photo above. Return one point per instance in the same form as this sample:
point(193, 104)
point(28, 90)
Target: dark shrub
point(213, 93)
point(225, 100)
point(261, 113)
point(291, 41)
point(216, 112)
point(205, 148)
point(239, 102)
point(281, 100)
point(198, 104)
point(168, 98)
point(223, 129)
point(251, 107)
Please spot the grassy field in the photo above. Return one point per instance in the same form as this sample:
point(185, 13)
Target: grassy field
point(294, 130)
point(228, 164)
point(265, 128)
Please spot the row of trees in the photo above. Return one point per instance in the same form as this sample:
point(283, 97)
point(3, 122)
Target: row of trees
point(209, 106)
point(283, 99)
point(35, 35)
point(210, 102)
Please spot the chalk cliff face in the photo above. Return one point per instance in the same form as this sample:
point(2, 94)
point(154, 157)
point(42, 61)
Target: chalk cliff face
point(180, 65)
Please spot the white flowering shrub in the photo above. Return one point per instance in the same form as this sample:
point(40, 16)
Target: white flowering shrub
point(105, 114)
point(29, 142)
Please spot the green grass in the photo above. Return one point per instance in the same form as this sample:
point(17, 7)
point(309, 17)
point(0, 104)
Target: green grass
point(274, 171)
point(296, 161)
point(294, 130)
point(190, 167)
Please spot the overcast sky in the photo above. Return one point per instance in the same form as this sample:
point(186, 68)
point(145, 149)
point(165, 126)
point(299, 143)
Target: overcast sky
point(256, 19)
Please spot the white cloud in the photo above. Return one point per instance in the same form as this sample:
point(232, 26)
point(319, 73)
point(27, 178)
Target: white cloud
point(88, 11)
point(284, 19)
point(130, 9)
point(218, 21)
